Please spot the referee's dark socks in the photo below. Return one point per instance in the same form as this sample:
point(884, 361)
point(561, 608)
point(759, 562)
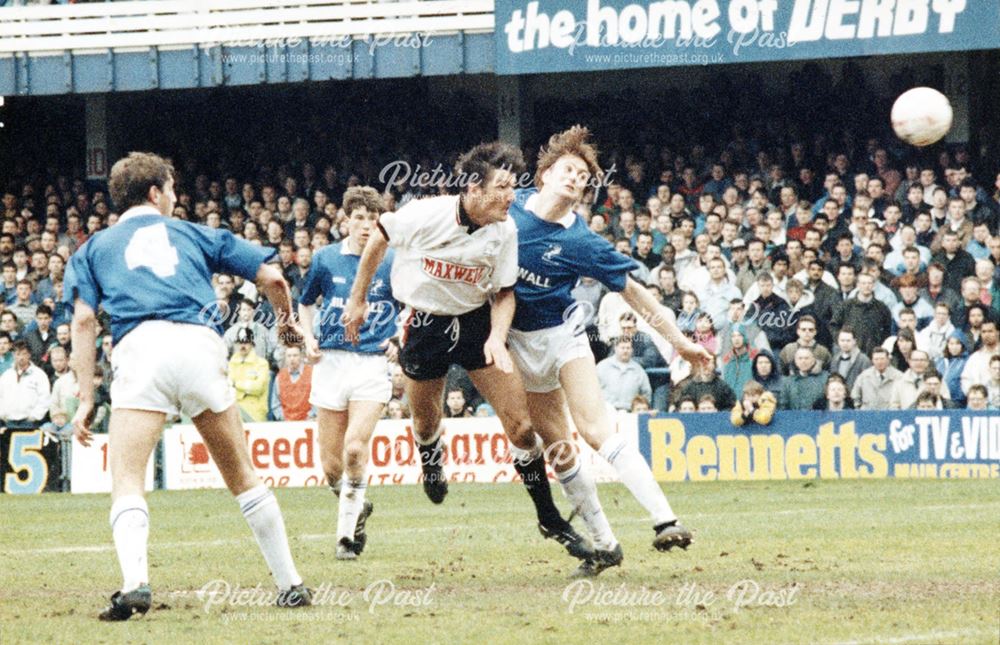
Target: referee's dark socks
point(537, 484)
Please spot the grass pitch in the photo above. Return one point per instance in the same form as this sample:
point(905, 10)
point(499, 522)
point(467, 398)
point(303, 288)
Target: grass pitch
point(890, 561)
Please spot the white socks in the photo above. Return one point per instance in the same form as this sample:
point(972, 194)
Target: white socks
point(634, 472)
point(130, 527)
point(352, 501)
point(260, 508)
point(582, 493)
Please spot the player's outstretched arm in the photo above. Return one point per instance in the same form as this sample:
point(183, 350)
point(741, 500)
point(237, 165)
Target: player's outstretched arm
point(84, 339)
point(357, 304)
point(501, 316)
point(275, 289)
point(662, 320)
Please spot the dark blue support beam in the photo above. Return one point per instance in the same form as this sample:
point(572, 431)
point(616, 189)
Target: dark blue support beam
point(291, 62)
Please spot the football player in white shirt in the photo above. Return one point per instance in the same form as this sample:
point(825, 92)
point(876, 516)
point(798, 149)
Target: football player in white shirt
point(455, 268)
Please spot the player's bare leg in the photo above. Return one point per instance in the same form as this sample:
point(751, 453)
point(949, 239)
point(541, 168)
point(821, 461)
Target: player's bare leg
point(332, 427)
point(425, 406)
point(548, 416)
point(132, 435)
point(505, 392)
point(223, 435)
point(590, 416)
point(354, 509)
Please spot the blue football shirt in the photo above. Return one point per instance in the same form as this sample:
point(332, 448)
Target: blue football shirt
point(551, 258)
point(150, 267)
point(331, 275)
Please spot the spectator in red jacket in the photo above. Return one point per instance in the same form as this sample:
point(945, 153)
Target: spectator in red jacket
point(292, 385)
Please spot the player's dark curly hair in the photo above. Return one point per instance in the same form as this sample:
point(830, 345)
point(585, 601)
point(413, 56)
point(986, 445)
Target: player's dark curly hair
point(575, 141)
point(363, 197)
point(478, 165)
point(134, 175)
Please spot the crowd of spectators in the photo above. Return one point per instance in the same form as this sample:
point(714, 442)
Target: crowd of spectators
point(834, 283)
point(830, 280)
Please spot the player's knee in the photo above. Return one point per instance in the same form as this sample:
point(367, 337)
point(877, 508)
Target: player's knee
point(355, 454)
point(588, 419)
point(427, 424)
point(331, 461)
point(521, 433)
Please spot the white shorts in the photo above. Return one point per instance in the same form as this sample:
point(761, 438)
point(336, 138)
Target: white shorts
point(540, 355)
point(170, 367)
point(341, 377)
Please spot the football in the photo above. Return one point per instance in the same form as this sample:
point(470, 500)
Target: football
point(921, 116)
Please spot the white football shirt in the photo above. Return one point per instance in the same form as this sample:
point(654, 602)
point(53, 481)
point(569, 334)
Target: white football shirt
point(440, 267)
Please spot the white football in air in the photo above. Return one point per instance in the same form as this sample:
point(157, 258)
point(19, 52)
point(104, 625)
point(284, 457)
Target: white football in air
point(921, 116)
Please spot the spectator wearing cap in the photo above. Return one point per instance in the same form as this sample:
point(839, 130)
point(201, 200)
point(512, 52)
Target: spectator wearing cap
point(24, 391)
point(292, 386)
point(909, 298)
point(735, 251)
point(250, 376)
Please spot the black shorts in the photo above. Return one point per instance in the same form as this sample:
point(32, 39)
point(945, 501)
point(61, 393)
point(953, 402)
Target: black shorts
point(432, 343)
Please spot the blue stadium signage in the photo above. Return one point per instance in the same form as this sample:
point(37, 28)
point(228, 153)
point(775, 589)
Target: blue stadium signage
point(592, 35)
point(953, 444)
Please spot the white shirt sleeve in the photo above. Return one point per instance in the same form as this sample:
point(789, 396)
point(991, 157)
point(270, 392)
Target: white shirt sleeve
point(403, 226)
